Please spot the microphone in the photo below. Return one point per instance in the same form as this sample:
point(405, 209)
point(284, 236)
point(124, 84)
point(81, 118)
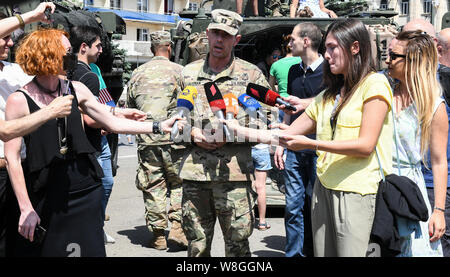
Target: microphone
point(231, 104)
point(217, 104)
point(185, 104)
point(251, 106)
point(267, 96)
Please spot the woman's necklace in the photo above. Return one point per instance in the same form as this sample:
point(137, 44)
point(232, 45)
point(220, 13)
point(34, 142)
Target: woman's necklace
point(46, 90)
point(61, 123)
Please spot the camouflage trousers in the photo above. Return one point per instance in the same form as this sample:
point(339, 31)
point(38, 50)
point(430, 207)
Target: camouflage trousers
point(231, 202)
point(157, 177)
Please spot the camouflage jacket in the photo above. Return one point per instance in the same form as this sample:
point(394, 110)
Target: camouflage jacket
point(153, 89)
point(233, 161)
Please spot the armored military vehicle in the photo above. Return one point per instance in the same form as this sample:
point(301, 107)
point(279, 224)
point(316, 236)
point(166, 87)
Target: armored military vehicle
point(68, 15)
point(262, 33)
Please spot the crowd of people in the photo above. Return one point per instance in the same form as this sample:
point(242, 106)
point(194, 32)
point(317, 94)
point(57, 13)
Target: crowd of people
point(354, 133)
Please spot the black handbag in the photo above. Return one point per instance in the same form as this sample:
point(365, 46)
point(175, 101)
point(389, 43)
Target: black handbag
point(399, 193)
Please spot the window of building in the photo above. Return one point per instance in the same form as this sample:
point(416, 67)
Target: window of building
point(384, 5)
point(142, 34)
point(115, 4)
point(168, 6)
point(193, 6)
point(89, 2)
point(427, 6)
point(404, 9)
point(142, 6)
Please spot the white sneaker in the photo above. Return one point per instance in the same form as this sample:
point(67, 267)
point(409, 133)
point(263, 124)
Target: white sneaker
point(107, 238)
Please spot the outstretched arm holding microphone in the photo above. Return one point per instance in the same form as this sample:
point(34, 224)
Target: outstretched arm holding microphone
point(8, 25)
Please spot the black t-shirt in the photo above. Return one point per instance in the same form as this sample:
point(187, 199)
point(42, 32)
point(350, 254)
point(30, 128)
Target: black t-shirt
point(444, 79)
point(304, 85)
point(84, 75)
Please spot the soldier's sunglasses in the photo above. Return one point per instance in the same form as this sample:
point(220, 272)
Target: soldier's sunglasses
point(393, 56)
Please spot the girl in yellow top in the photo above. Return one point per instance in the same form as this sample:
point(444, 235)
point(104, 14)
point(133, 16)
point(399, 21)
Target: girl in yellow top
point(350, 118)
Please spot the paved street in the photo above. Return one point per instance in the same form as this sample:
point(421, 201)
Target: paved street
point(127, 223)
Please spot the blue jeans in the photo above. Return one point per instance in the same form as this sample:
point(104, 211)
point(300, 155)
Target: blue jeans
point(299, 175)
point(104, 159)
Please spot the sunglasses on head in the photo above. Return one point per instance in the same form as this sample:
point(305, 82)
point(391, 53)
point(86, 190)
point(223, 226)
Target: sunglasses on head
point(394, 56)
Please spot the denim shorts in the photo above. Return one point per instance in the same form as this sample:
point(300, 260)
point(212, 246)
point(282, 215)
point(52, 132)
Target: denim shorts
point(261, 159)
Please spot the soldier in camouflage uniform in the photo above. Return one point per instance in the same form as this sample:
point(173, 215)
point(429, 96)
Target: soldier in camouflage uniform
point(152, 89)
point(216, 175)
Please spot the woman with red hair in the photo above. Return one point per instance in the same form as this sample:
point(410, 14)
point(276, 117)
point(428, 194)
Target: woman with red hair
point(58, 188)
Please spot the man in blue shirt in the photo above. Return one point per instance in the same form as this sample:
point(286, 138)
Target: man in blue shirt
point(304, 83)
point(443, 44)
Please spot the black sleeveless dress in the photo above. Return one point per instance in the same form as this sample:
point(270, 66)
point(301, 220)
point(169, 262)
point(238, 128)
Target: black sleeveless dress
point(65, 191)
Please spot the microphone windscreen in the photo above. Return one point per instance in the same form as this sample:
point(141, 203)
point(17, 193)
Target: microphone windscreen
point(231, 103)
point(262, 94)
point(186, 98)
point(214, 97)
point(248, 102)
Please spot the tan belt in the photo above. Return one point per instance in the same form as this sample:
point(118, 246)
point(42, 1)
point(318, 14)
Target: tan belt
point(2, 163)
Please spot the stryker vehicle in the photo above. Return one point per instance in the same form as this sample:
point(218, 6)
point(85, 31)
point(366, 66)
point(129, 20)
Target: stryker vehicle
point(69, 15)
point(259, 35)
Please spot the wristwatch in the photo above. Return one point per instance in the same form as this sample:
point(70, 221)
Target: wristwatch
point(157, 128)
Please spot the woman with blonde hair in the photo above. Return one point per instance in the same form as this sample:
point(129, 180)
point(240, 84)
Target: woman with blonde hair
point(421, 124)
point(58, 187)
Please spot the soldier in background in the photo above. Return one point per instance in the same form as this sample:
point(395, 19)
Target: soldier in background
point(217, 175)
point(152, 89)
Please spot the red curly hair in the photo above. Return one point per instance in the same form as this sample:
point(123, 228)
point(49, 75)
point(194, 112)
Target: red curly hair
point(41, 52)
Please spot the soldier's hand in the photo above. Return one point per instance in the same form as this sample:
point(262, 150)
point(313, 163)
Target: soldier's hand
point(201, 140)
point(61, 106)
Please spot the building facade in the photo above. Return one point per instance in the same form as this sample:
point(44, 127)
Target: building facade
point(142, 17)
point(430, 10)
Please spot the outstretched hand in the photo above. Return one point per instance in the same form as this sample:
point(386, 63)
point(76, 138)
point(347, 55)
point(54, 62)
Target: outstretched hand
point(166, 125)
point(39, 12)
point(133, 114)
point(61, 106)
point(295, 142)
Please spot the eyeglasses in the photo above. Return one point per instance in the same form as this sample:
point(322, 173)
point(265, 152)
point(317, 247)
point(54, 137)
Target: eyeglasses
point(276, 57)
point(393, 56)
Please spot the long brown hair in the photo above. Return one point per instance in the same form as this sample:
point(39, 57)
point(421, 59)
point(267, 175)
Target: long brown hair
point(359, 65)
point(421, 65)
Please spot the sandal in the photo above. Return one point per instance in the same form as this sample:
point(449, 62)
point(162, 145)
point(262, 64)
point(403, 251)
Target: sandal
point(263, 226)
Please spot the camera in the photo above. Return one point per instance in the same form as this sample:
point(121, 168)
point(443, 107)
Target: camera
point(70, 61)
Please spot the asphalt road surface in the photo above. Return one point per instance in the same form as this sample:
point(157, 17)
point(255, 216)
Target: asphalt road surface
point(127, 223)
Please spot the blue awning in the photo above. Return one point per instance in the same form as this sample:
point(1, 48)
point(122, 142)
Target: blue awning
point(130, 15)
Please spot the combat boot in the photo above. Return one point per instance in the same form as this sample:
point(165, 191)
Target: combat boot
point(176, 235)
point(159, 240)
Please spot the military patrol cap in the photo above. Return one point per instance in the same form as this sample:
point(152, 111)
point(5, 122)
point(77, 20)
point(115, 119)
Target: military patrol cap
point(225, 20)
point(160, 37)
